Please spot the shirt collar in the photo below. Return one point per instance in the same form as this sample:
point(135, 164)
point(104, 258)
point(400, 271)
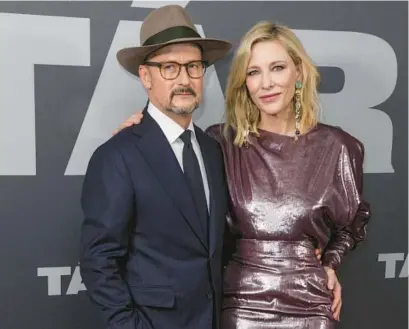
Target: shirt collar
point(170, 128)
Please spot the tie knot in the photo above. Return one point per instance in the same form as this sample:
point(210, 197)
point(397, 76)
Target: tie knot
point(185, 137)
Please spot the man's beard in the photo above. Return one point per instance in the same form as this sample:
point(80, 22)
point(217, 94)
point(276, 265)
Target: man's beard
point(187, 110)
point(183, 110)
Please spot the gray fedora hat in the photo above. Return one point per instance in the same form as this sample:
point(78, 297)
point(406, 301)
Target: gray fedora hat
point(168, 25)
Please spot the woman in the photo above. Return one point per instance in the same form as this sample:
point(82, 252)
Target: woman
point(295, 185)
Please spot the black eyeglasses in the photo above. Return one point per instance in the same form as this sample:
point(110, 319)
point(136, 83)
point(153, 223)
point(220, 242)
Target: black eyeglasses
point(171, 70)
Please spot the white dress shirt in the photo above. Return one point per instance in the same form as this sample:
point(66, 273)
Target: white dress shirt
point(172, 131)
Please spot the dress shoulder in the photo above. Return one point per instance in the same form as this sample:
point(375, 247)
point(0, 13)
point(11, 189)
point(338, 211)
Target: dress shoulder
point(345, 140)
point(216, 131)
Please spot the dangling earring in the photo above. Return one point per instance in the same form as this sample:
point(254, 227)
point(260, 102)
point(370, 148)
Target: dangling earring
point(246, 130)
point(298, 86)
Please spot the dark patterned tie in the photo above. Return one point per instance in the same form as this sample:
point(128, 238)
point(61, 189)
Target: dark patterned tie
point(193, 176)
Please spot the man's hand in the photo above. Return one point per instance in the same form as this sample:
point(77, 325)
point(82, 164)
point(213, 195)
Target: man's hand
point(335, 287)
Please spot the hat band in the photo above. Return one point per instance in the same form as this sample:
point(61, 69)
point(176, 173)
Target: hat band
point(172, 33)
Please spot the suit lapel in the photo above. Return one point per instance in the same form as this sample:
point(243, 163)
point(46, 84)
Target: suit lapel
point(211, 166)
point(161, 158)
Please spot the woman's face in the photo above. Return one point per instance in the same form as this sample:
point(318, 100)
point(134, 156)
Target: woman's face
point(271, 77)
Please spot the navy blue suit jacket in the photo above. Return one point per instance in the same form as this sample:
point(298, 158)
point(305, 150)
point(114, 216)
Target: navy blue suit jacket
point(145, 259)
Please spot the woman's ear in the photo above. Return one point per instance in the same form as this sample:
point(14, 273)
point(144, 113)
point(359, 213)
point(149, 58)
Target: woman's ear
point(299, 72)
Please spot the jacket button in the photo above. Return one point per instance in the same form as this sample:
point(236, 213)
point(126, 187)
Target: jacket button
point(209, 295)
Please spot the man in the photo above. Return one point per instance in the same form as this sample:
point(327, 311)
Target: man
point(154, 196)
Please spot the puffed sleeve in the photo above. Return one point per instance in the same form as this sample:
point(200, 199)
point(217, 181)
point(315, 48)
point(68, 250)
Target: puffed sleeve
point(346, 209)
point(215, 131)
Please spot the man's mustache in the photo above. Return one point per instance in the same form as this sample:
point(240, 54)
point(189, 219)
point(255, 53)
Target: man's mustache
point(184, 90)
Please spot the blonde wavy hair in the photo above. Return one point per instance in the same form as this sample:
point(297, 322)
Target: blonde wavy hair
point(242, 115)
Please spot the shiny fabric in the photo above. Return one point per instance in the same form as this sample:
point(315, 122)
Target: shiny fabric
point(287, 198)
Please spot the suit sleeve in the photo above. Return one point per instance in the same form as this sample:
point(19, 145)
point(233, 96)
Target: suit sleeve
point(108, 207)
point(349, 212)
point(229, 241)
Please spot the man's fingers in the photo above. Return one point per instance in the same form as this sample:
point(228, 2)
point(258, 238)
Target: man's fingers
point(337, 313)
point(331, 282)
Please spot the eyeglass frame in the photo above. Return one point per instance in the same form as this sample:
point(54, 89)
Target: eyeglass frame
point(160, 64)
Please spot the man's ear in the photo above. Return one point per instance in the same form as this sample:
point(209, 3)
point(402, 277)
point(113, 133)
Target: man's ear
point(145, 76)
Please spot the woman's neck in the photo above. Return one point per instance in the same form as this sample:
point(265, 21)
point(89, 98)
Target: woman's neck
point(282, 123)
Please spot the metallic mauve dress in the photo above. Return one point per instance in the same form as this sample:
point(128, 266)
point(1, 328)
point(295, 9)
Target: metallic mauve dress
point(287, 198)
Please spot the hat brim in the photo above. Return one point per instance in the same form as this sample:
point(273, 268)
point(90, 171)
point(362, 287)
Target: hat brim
point(131, 58)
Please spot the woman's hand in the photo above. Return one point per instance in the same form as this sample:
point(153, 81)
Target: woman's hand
point(134, 119)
